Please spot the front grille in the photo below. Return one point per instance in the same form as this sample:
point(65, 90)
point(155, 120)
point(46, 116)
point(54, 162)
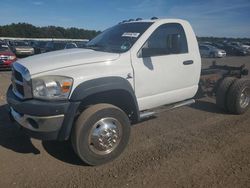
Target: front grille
point(21, 83)
point(3, 58)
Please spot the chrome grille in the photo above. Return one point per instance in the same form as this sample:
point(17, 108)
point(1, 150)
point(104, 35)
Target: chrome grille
point(21, 82)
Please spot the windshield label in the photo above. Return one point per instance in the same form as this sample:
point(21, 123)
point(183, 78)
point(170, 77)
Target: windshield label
point(135, 35)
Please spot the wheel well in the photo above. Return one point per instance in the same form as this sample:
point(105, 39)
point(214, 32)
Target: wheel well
point(120, 98)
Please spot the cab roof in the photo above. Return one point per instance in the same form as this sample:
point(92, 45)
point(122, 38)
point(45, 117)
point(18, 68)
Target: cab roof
point(155, 20)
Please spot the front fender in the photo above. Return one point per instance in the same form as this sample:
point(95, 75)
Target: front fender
point(98, 85)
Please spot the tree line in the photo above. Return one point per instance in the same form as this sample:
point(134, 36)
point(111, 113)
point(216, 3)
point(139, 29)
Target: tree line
point(25, 30)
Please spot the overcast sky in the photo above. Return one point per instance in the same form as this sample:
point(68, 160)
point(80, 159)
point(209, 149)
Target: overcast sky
point(229, 18)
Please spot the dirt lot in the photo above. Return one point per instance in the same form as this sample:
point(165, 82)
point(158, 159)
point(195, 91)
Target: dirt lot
point(196, 146)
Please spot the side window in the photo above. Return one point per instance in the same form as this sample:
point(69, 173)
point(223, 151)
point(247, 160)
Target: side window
point(166, 39)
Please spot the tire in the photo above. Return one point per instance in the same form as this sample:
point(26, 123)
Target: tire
point(238, 98)
point(89, 139)
point(222, 91)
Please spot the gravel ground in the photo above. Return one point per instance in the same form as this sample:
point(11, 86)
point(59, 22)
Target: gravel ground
point(195, 146)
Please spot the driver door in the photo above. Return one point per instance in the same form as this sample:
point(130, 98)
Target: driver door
point(163, 68)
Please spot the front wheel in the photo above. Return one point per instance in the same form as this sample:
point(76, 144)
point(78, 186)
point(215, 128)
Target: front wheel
point(101, 133)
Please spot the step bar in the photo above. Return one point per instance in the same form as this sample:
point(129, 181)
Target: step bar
point(148, 114)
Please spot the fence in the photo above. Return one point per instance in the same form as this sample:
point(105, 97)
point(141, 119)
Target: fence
point(43, 39)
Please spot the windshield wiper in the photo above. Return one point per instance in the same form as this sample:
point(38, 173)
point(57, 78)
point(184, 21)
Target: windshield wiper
point(95, 47)
point(102, 48)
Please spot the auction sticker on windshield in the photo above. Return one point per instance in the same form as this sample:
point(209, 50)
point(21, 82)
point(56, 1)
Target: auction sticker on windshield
point(135, 35)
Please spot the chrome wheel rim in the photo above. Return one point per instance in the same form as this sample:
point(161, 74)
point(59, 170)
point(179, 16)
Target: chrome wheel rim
point(105, 136)
point(245, 98)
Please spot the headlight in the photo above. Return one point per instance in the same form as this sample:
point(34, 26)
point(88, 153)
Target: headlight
point(52, 87)
point(12, 57)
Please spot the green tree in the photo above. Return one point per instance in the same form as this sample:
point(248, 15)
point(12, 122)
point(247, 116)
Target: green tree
point(29, 31)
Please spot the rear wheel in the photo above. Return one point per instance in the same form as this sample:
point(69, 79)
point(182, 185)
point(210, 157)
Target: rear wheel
point(100, 134)
point(238, 98)
point(222, 91)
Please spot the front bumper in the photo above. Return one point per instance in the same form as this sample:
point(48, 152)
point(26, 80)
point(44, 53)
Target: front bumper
point(19, 52)
point(221, 55)
point(4, 65)
point(38, 123)
point(43, 120)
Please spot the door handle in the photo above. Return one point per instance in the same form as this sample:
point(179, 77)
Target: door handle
point(189, 62)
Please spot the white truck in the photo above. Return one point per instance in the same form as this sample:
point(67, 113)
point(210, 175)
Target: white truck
point(93, 95)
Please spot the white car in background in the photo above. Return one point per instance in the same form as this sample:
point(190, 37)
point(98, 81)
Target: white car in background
point(70, 45)
point(241, 45)
point(211, 51)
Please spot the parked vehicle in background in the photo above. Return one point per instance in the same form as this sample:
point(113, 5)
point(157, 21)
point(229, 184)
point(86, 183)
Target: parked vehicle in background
point(21, 48)
point(234, 50)
point(206, 43)
point(7, 57)
point(246, 43)
point(70, 45)
point(241, 46)
point(55, 45)
point(246, 47)
point(76, 44)
point(218, 45)
point(211, 51)
point(39, 46)
point(81, 44)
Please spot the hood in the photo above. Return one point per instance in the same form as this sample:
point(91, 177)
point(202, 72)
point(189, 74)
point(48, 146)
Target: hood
point(7, 53)
point(23, 48)
point(65, 58)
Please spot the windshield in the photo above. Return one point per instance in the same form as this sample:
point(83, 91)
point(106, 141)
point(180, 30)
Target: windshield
point(39, 44)
point(59, 45)
point(42, 44)
point(3, 47)
point(21, 43)
point(81, 44)
point(119, 38)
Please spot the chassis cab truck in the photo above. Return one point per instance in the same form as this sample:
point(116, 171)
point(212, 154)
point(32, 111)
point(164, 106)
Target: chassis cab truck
point(92, 96)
